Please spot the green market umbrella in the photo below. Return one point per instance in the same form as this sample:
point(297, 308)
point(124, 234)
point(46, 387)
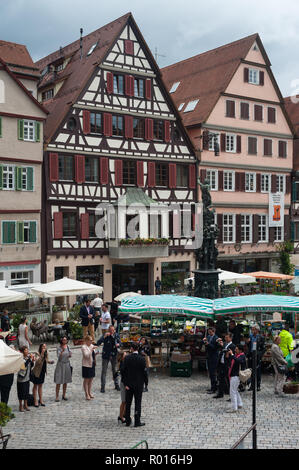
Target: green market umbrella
point(255, 303)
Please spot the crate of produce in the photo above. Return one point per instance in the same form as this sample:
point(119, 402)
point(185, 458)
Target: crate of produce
point(180, 369)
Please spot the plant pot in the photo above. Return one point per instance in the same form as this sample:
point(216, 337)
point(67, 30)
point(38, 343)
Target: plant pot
point(291, 388)
point(78, 342)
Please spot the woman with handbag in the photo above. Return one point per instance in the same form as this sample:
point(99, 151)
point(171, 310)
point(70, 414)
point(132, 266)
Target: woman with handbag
point(279, 365)
point(237, 363)
point(63, 370)
point(23, 380)
point(38, 374)
point(88, 365)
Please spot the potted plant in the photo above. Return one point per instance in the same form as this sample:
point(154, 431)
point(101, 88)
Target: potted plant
point(77, 333)
point(291, 387)
point(5, 416)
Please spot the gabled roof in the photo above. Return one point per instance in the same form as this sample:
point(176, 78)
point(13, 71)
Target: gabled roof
point(18, 59)
point(78, 71)
point(292, 109)
point(205, 76)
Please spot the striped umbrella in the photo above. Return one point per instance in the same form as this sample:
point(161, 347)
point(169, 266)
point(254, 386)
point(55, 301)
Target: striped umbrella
point(255, 304)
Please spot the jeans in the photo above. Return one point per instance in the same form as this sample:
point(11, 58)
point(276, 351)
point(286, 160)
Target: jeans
point(235, 396)
point(105, 363)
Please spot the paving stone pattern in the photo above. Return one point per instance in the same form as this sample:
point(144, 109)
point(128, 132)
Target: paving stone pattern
point(177, 411)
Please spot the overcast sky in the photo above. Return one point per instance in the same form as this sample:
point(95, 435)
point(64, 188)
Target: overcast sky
point(177, 28)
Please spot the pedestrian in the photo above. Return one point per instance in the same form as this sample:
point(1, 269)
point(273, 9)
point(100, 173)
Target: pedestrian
point(38, 374)
point(6, 382)
point(111, 342)
point(158, 286)
point(88, 365)
point(256, 338)
point(212, 351)
point(122, 407)
point(238, 362)
point(223, 364)
point(286, 344)
point(87, 319)
point(134, 377)
point(23, 339)
point(236, 331)
point(105, 319)
point(113, 312)
point(63, 370)
point(277, 361)
point(97, 305)
point(145, 350)
point(23, 379)
point(5, 321)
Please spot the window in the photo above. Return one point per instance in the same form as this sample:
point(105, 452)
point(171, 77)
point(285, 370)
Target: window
point(118, 84)
point(263, 228)
point(182, 175)
point(21, 277)
point(252, 146)
point(92, 48)
point(48, 94)
point(191, 106)
point(24, 178)
point(8, 177)
point(174, 87)
point(258, 113)
point(69, 224)
point(66, 167)
point(280, 183)
point(72, 123)
point(282, 149)
point(161, 174)
point(158, 130)
point(181, 106)
point(267, 147)
point(230, 109)
point(93, 219)
point(231, 143)
point(250, 182)
point(139, 87)
point(26, 227)
point(129, 172)
point(265, 183)
point(29, 131)
point(246, 232)
point(138, 128)
point(96, 123)
point(278, 237)
point(228, 228)
point(214, 140)
point(244, 111)
point(271, 115)
point(229, 180)
point(212, 177)
point(254, 77)
point(91, 169)
point(117, 125)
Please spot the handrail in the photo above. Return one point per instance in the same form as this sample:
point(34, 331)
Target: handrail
point(139, 444)
point(236, 445)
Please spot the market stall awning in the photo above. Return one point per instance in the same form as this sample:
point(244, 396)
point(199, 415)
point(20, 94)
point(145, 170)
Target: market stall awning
point(266, 275)
point(125, 295)
point(11, 361)
point(64, 287)
point(7, 295)
point(168, 304)
point(255, 304)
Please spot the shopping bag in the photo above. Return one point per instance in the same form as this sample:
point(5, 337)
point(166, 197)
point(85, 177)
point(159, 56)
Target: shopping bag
point(288, 358)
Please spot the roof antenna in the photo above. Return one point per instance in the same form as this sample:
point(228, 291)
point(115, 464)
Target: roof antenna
point(81, 49)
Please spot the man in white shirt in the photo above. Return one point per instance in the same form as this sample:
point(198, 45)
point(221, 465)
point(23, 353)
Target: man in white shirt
point(105, 319)
point(97, 304)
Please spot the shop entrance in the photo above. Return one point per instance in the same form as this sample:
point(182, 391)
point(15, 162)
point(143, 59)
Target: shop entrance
point(130, 278)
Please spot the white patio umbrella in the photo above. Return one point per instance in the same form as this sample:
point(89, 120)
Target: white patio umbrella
point(230, 278)
point(125, 295)
point(64, 287)
point(11, 361)
point(7, 295)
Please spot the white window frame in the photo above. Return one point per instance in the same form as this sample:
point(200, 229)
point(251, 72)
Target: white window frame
point(278, 178)
point(229, 229)
point(249, 182)
point(10, 171)
point(280, 238)
point(213, 175)
point(247, 225)
point(29, 278)
point(231, 143)
point(212, 141)
point(269, 176)
point(265, 228)
point(256, 72)
point(29, 130)
point(232, 173)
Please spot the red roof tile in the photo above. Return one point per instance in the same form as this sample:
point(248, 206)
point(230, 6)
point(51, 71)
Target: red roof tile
point(17, 58)
point(292, 109)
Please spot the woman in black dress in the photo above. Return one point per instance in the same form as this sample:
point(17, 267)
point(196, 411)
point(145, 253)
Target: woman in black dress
point(38, 374)
point(23, 380)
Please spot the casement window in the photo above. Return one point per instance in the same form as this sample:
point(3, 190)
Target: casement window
point(230, 109)
point(263, 228)
point(92, 220)
point(118, 84)
point(26, 231)
point(66, 167)
point(91, 169)
point(69, 224)
point(278, 234)
point(214, 140)
point(258, 112)
point(228, 180)
point(229, 228)
point(280, 183)
point(48, 94)
point(117, 125)
point(231, 143)
point(29, 130)
point(27, 178)
point(246, 228)
point(212, 177)
point(138, 128)
point(16, 178)
point(21, 277)
point(252, 146)
point(282, 149)
point(182, 174)
point(265, 182)
point(96, 124)
point(129, 172)
point(244, 110)
point(8, 177)
point(139, 88)
point(250, 182)
point(158, 130)
point(255, 77)
point(271, 115)
point(161, 174)
point(268, 148)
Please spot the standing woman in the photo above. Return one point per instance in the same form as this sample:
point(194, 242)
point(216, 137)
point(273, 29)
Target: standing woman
point(63, 370)
point(278, 360)
point(23, 339)
point(88, 365)
point(122, 408)
point(238, 362)
point(145, 351)
point(38, 374)
point(23, 380)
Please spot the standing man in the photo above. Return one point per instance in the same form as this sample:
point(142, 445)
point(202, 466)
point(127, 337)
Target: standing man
point(87, 319)
point(256, 337)
point(236, 331)
point(5, 322)
point(97, 305)
point(105, 319)
point(212, 357)
point(158, 286)
point(223, 364)
point(111, 341)
point(134, 378)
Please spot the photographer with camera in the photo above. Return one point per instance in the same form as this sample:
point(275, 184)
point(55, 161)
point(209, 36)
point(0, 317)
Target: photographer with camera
point(212, 351)
point(223, 364)
point(111, 343)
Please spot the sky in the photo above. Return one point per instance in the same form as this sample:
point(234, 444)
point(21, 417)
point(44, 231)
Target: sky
point(177, 29)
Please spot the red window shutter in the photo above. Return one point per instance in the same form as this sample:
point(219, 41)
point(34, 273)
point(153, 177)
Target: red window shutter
point(262, 78)
point(282, 149)
point(104, 167)
point(255, 232)
point(148, 89)
point(79, 169)
point(129, 47)
point(258, 182)
point(109, 82)
point(151, 174)
point(220, 228)
point(258, 112)
point(140, 174)
point(118, 168)
point(58, 225)
point(237, 181)
point(230, 108)
point(129, 127)
point(53, 167)
point(85, 226)
point(203, 175)
point(288, 184)
point(129, 85)
point(273, 184)
point(223, 142)
point(238, 229)
point(239, 144)
point(167, 131)
point(107, 124)
point(246, 74)
point(149, 129)
point(172, 175)
point(192, 176)
point(86, 121)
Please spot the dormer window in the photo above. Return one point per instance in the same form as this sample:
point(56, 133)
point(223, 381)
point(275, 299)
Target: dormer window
point(48, 94)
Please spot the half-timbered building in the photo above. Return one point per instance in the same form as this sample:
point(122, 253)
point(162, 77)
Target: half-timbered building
point(113, 136)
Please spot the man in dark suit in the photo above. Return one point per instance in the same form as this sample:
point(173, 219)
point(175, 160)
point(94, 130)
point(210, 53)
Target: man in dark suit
point(212, 351)
point(134, 377)
point(87, 315)
point(223, 364)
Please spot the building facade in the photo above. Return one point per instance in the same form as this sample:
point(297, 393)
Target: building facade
point(234, 113)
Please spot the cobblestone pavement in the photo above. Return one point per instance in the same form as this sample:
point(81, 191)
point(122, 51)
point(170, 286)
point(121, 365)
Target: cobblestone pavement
point(177, 411)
